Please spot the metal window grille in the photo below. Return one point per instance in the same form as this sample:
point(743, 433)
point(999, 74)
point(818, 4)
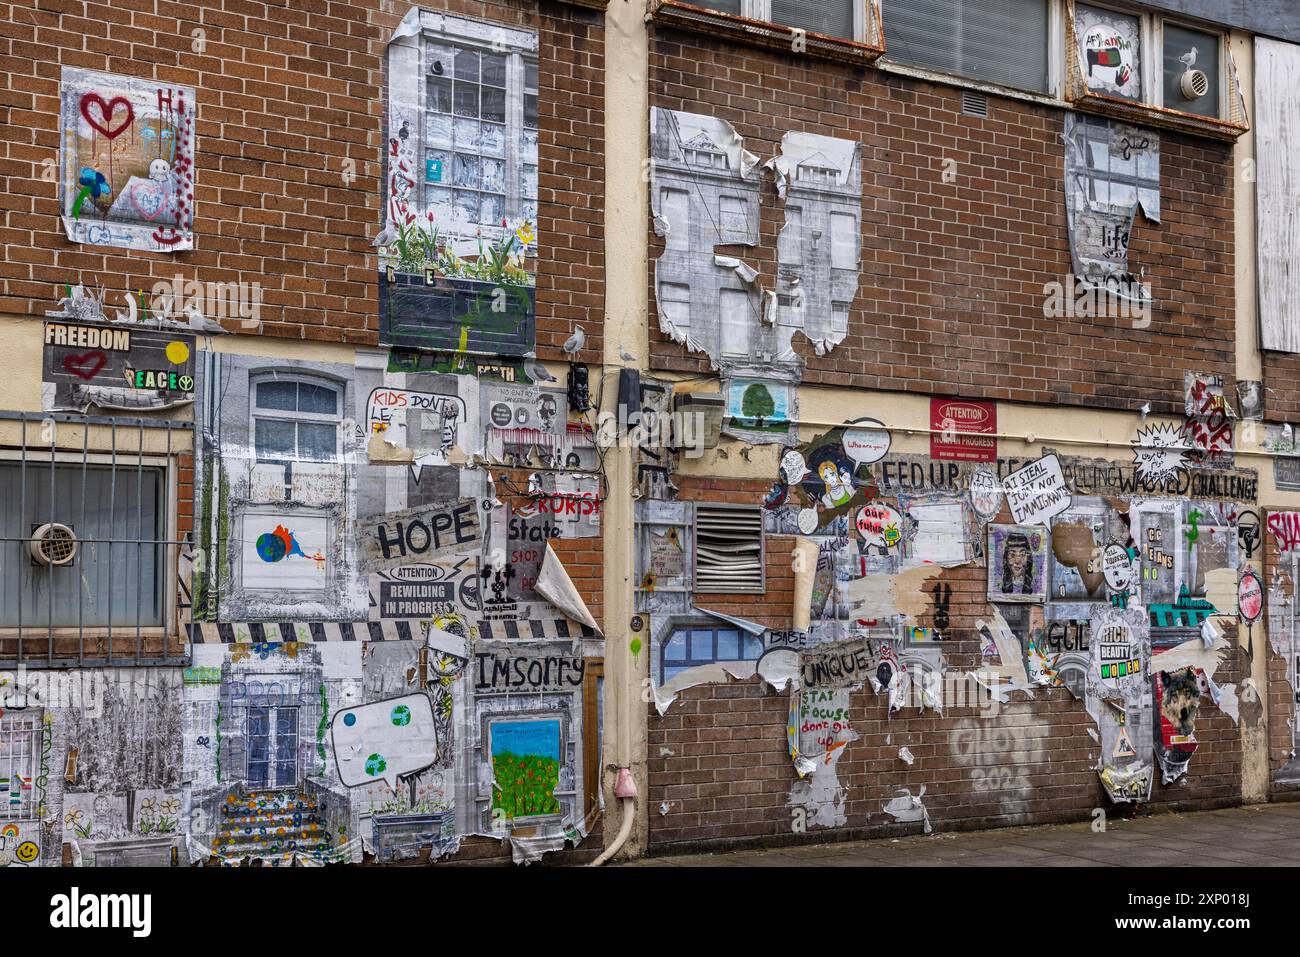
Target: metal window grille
point(20, 741)
point(92, 569)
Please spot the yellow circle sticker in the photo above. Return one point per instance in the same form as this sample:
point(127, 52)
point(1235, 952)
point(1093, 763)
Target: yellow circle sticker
point(27, 852)
point(177, 353)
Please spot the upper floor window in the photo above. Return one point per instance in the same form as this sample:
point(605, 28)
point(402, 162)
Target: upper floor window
point(1191, 71)
point(691, 647)
point(1006, 42)
point(296, 419)
point(833, 18)
point(1149, 59)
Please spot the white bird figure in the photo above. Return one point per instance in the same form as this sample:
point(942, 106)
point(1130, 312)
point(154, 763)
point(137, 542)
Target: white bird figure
point(132, 310)
point(1188, 59)
point(386, 236)
point(535, 370)
point(575, 341)
point(625, 355)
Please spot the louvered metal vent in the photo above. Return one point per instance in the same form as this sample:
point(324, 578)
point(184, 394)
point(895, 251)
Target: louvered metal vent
point(974, 104)
point(728, 548)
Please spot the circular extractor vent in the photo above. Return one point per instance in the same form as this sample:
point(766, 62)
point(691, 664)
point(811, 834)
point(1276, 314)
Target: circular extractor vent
point(53, 544)
point(1194, 84)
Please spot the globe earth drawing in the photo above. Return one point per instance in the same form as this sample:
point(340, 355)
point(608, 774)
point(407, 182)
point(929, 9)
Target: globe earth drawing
point(376, 765)
point(270, 547)
point(401, 715)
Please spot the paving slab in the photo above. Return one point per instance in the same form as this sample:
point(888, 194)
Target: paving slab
point(1259, 836)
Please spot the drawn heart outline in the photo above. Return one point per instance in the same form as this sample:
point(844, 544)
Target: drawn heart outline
point(86, 365)
point(106, 110)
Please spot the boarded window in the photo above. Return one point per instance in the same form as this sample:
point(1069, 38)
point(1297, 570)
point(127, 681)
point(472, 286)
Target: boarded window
point(1277, 125)
point(728, 548)
point(1187, 51)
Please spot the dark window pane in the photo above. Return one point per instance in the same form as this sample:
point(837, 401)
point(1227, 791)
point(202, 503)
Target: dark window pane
point(440, 94)
point(466, 100)
point(726, 6)
point(317, 441)
point(320, 399)
point(467, 64)
point(494, 105)
point(494, 69)
point(530, 111)
point(277, 395)
point(1191, 50)
point(273, 437)
point(530, 75)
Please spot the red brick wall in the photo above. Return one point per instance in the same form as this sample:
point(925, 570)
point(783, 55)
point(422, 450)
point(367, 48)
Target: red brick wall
point(951, 299)
point(286, 94)
point(718, 758)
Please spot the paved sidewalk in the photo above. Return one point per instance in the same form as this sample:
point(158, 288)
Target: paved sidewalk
point(1259, 836)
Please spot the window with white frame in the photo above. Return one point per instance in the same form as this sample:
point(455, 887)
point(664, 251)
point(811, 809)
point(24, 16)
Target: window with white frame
point(1006, 42)
point(480, 127)
point(20, 743)
point(296, 419)
point(846, 19)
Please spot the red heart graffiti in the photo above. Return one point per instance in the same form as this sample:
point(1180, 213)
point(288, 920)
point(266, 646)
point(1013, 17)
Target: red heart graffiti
point(106, 110)
point(87, 365)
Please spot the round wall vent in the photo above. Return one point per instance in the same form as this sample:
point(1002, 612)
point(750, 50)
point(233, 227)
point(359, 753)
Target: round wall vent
point(1194, 84)
point(53, 544)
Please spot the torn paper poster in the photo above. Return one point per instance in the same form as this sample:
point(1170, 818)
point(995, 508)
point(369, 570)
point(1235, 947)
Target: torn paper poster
point(1177, 699)
point(822, 732)
point(128, 151)
point(1110, 51)
point(1110, 170)
point(555, 585)
point(460, 200)
point(1037, 492)
point(570, 500)
point(907, 808)
point(426, 425)
point(705, 194)
point(760, 411)
point(1003, 658)
point(1208, 427)
point(780, 667)
point(819, 247)
point(424, 532)
point(115, 367)
point(1017, 563)
point(938, 531)
point(523, 423)
point(656, 457)
point(1118, 696)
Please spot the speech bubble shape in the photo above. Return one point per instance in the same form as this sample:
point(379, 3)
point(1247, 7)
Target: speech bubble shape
point(866, 441)
point(880, 525)
point(1117, 567)
point(384, 740)
point(985, 494)
point(793, 467)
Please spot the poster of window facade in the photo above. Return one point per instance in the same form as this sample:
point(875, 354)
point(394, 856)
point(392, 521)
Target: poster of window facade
point(461, 188)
